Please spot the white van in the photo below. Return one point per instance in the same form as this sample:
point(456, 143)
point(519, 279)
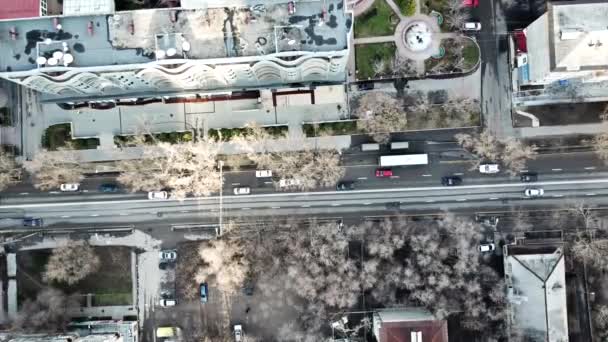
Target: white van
point(263, 173)
point(238, 333)
point(400, 145)
point(471, 26)
point(370, 147)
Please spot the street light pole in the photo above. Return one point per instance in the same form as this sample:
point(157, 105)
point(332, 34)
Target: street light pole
point(221, 198)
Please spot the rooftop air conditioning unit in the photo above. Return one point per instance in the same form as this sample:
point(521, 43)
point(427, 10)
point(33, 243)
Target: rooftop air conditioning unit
point(522, 59)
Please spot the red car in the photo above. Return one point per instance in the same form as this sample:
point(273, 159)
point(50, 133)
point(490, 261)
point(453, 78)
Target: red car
point(384, 173)
point(470, 3)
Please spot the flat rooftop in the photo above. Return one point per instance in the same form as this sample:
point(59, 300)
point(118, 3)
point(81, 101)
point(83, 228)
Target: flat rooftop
point(148, 35)
point(580, 35)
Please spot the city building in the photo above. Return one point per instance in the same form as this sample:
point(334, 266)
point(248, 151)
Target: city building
point(569, 41)
point(170, 51)
point(408, 325)
point(87, 331)
point(536, 280)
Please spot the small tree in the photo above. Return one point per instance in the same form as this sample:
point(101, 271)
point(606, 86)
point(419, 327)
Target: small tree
point(49, 312)
point(72, 263)
point(51, 169)
point(224, 263)
point(457, 19)
point(9, 171)
point(380, 114)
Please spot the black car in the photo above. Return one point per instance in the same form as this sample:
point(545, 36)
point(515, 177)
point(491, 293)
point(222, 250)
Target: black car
point(109, 187)
point(365, 86)
point(32, 222)
point(342, 186)
point(529, 177)
point(451, 181)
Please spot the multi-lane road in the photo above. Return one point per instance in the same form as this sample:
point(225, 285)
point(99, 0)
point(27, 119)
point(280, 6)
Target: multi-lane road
point(563, 177)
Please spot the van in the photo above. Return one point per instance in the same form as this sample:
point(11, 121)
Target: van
point(370, 147)
point(263, 173)
point(400, 145)
point(238, 333)
point(285, 182)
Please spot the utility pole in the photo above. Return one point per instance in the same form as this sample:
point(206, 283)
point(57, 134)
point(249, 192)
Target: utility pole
point(221, 162)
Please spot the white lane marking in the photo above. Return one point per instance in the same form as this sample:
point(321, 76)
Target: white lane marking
point(523, 171)
point(458, 174)
point(94, 215)
point(214, 210)
point(558, 195)
point(335, 204)
point(461, 200)
point(267, 182)
point(184, 211)
point(236, 184)
point(427, 175)
point(430, 201)
point(591, 194)
point(318, 193)
point(493, 198)
point(362, 178)
point(394, 177)
point(556, 170)
point(24, 193)
point(367, 203)
point(123, 214)
point(590, 168)
point(65, 216)
point(152, 213)
point(54, 192)
point(306, 206)
point(275, 207)
point(245, 208)
point(85, 190)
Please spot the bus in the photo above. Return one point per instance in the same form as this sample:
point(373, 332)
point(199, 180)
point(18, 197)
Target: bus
point(404, 160)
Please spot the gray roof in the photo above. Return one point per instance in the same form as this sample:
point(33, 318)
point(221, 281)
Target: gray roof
point(135, 37)
point(537, 296)
point(579, 35)
point(537, 40)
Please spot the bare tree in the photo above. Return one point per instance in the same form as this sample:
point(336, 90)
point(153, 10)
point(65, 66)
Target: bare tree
point(225, 264)
point(600, 320)
point(49, 312)
point(71, 263)
point(401, 65)
point(310, 166)
point(457, 19)
point(379, 67)
point(593, 252)
point(380, 114)
point(600, 145)
point(51, 169)
point(511, 152)
point(455, 6)
point(9, 170)
point(186, 168)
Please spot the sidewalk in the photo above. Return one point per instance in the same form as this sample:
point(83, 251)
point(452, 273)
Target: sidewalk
point(531, 132)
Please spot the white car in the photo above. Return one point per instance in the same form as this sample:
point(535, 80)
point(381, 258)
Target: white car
point(167, 302)
point(489, 168)
point(289, 182)
point(534, 192)
point(158, 195)
point(69, 187)
point(167, 255)
point(243, 190)
point(471, 26)
point(263, 173)
point(486, 247)
point(238, 333)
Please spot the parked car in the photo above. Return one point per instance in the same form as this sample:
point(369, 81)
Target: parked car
point(32, 222)
point(451, 180)
point(528, 177)
point(238, 333)
point(471, 26)
point(365, 86)
point(167, 302)
point(470, 3)
point(242, 190)
point(348, 185)
point(489, 168)
point(204, 292)
point(486, 247)
point(383, 173)
point(534, 192)
point(109, 187)
point(167, 255)
point(69, 187)
point(158, 195)
point(263, 173)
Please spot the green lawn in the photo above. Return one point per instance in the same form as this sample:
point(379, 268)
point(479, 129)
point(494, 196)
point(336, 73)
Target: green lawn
point(379, 20)
point(471, 54)
point(110, 285)
point(451, 62)
point(367, 54)
point(60, 135)
point(407, 7)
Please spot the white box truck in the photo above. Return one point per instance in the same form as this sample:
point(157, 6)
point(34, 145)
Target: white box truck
point(370, 147)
